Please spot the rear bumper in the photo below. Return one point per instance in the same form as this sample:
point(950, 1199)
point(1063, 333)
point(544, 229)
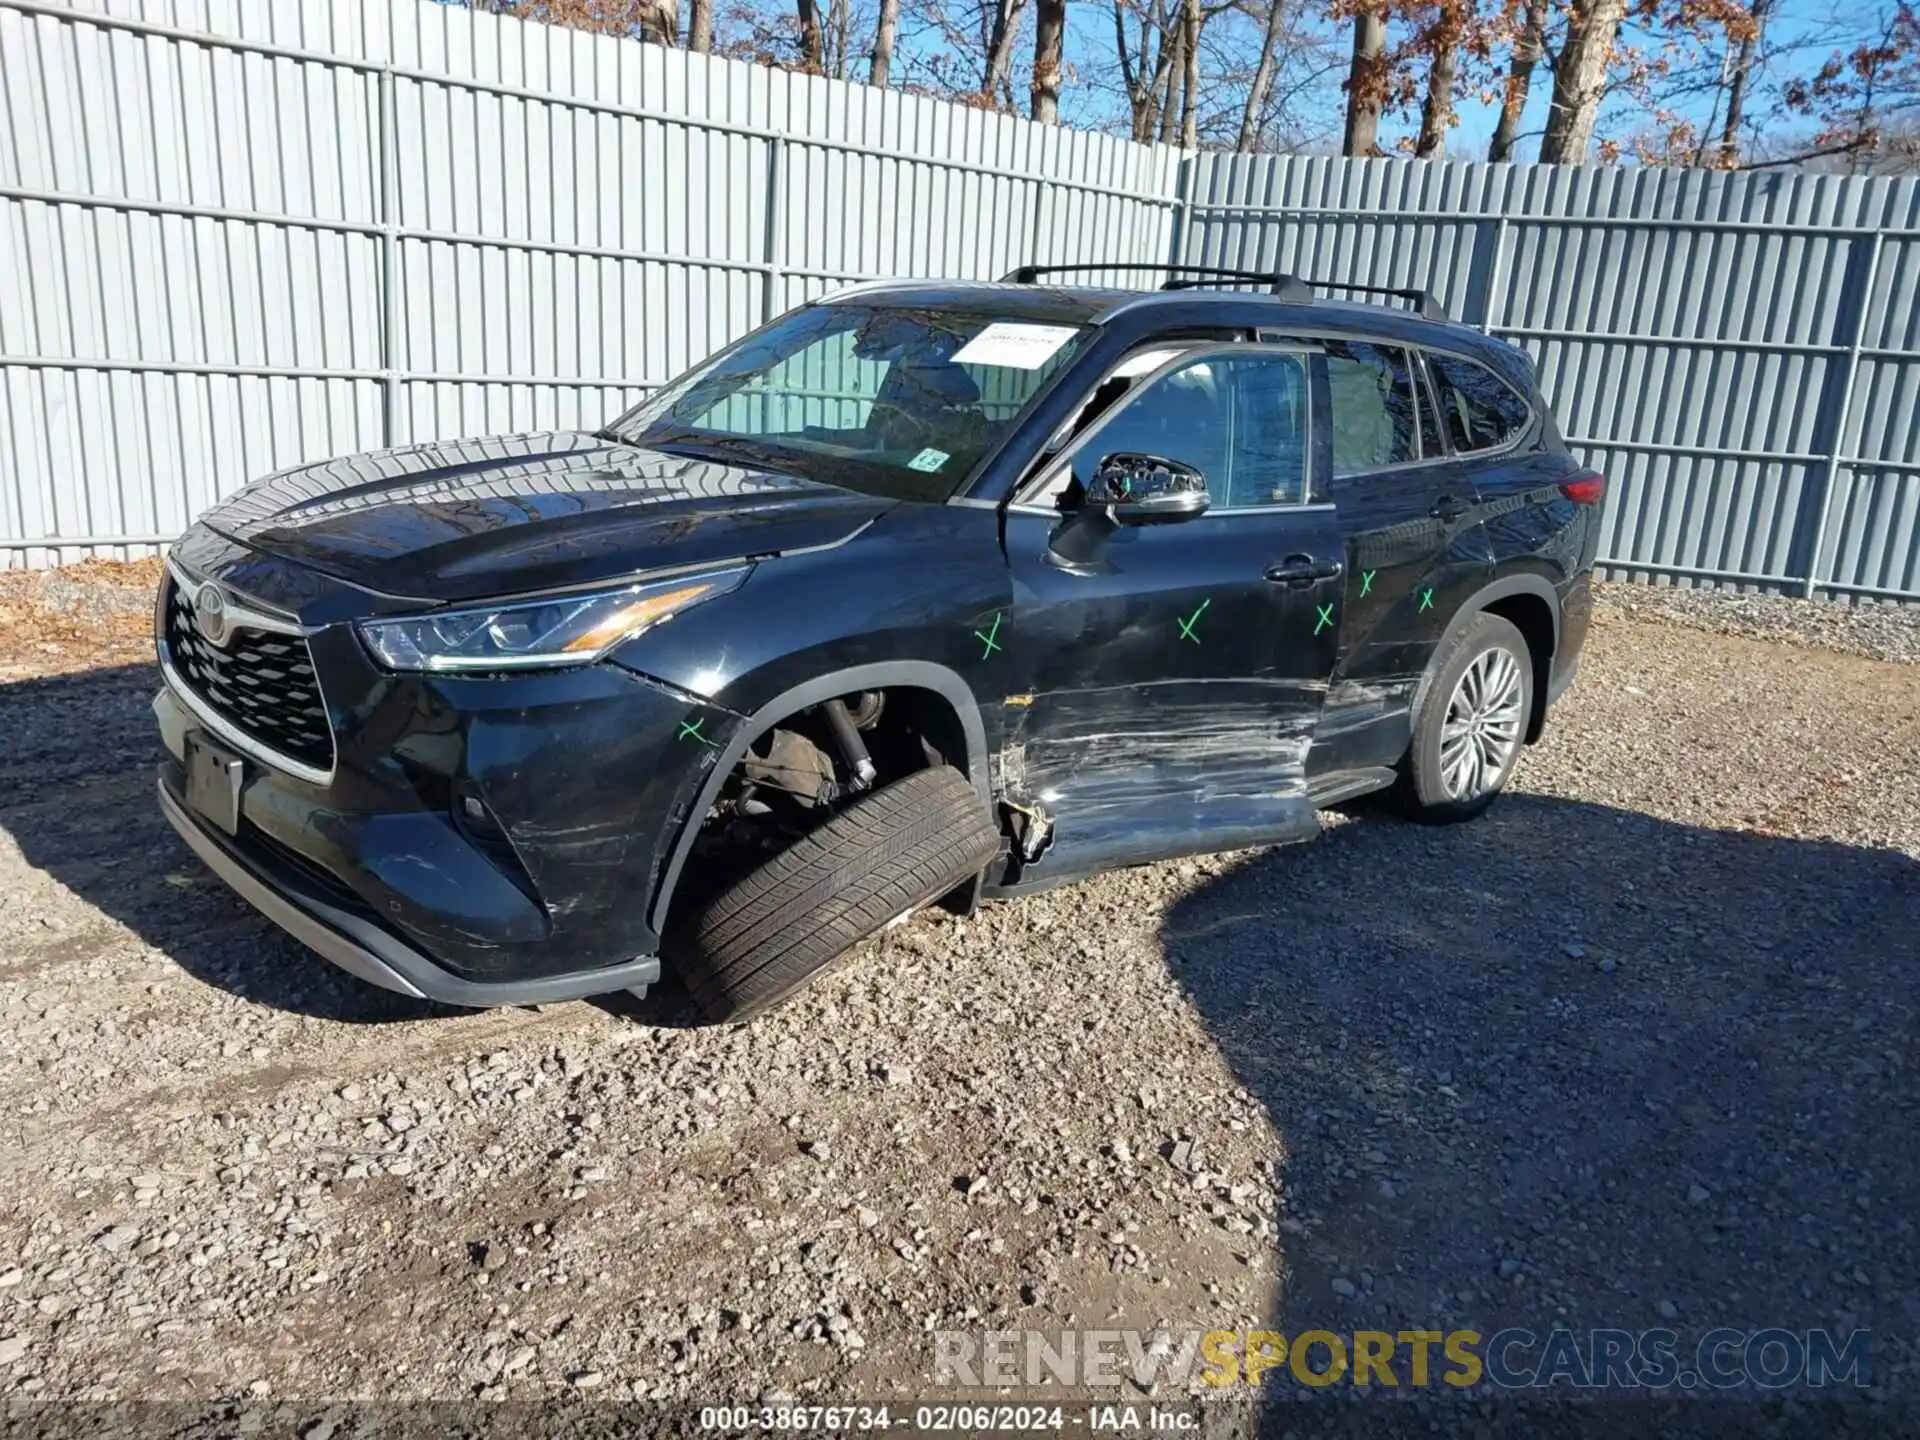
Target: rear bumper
point(1576, 614)
point(362, 948)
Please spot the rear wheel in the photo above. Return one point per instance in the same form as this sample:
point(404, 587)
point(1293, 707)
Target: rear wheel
point(882, 856)
point(1471, 723)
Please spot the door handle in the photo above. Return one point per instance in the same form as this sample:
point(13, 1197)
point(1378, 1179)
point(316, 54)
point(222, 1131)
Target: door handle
point(1449, 507)
point(1303, 570)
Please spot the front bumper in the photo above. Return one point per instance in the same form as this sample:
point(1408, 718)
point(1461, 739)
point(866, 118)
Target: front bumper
point(362, 948)
point(376, 868)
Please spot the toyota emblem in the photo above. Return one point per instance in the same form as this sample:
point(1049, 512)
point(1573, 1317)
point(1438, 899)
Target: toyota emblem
point(210, 614)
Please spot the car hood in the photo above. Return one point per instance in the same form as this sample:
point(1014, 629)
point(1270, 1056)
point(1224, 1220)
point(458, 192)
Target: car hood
point(471, 519)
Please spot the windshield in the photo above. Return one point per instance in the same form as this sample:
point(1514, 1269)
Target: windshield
point(900, 401)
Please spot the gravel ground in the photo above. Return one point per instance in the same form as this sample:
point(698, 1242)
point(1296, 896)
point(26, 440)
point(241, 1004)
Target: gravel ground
point(1631, 1050)
point(1877, 631)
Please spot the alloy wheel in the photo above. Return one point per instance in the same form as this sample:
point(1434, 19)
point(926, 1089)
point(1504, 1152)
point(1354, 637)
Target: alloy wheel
point(1482, 729)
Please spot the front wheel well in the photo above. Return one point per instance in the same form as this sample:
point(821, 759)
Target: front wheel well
point(795, 773)
point(1533, 618)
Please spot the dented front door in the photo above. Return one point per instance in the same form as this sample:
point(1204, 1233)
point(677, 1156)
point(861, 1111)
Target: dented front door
point(1172, 674)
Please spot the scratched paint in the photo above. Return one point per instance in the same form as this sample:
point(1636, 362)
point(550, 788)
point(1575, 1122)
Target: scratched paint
point(1189, 766)
point(1353, 704)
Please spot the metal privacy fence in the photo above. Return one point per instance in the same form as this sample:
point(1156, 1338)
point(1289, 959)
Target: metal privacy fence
point(240, 234)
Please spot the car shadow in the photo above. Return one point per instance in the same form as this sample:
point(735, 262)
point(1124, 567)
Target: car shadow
point(1574, 1066)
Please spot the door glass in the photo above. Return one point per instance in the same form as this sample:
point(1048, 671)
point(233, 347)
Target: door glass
point(1375, 420)
point(1480, 409)
point(1239, 419)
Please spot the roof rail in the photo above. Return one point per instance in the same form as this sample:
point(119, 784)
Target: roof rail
point(1422, 301)
point(1194, 277)
point(1285, 286)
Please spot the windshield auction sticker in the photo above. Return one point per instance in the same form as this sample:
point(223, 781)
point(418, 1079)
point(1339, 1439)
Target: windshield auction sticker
point(1014, 345)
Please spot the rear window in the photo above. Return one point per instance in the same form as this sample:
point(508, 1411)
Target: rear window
point(1375, 420)
point(1480, 410)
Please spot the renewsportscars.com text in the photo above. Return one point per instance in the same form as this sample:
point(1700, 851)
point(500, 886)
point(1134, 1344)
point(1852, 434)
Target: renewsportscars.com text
point(1719, 1359)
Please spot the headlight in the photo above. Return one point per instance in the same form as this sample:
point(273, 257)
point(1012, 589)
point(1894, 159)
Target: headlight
point(530, 634)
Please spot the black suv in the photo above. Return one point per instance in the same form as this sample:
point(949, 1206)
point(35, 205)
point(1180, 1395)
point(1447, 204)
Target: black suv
point(921, 591)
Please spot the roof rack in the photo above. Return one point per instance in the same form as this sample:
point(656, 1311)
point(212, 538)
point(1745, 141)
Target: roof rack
point(1422, 301)
point(1194, 277)
point(1285, 286)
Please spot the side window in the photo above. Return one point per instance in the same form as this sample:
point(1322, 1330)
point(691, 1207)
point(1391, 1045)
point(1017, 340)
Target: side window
point(1375, 420)
point(1239, 419)
point(1479, 408)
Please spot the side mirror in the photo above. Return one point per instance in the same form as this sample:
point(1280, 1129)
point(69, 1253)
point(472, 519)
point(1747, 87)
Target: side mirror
point(1147, 490)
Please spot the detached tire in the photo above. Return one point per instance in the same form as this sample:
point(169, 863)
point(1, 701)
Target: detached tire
point(882, 856)
point(1471, 724)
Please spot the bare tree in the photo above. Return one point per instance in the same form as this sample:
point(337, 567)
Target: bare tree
point(1190, 26)
point(840, 39)
point(1697, 82)
point(1261, 87)
point(1145, 82)
point(1172, 79)
point(1366, 79)
point(1049, 36)
point(1750, 39)
point(1529, 45)
point(1441, 39)
point(700, 26)
point(1579, 79)
point(881, 70)
point(813, 45)
point(995, 83)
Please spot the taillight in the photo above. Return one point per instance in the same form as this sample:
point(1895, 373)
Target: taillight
point(1586, 488)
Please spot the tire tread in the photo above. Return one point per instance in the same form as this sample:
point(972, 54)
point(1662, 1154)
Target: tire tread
point(902, 845)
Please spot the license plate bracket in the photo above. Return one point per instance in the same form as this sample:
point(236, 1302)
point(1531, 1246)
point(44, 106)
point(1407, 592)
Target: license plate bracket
point(215, 777)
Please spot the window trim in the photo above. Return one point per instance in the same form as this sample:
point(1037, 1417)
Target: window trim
point(1427, 393)
point(1513, 441)
point(1042, 480)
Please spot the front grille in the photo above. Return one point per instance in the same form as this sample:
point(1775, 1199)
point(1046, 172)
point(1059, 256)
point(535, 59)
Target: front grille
point(260, 682)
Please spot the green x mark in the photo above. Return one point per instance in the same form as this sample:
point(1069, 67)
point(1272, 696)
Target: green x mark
point(988, 640)
point(1366, 581)
point(1426, 598)
point(690, 730)
point(1186, 625)
point(1326, 617)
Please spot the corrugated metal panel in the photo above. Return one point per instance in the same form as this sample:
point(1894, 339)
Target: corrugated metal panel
point(207, 197)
